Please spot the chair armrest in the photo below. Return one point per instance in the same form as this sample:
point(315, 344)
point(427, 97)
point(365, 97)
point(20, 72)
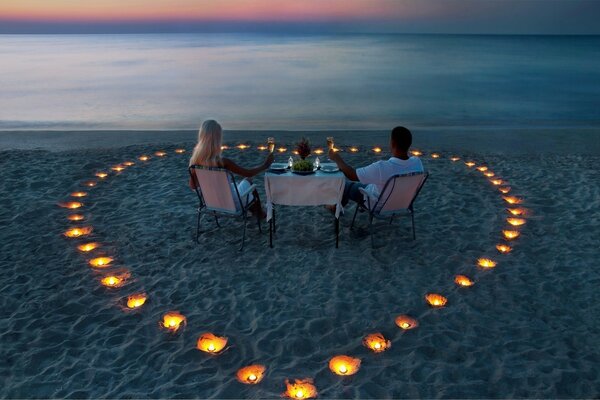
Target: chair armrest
point(248, 191)
point(367, 194)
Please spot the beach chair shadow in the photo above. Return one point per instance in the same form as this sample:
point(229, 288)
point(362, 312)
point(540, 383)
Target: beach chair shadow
point(219, 196)
point(396, 199)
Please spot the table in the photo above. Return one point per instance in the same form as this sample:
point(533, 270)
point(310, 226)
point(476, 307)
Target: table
point(289, 189)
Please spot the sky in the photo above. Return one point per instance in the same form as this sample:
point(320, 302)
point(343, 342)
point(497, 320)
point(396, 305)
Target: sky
point(362, 16)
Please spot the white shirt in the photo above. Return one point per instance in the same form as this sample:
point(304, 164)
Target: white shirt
point(376, 175)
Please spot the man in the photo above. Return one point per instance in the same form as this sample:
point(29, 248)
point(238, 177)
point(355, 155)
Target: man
point(373, 177)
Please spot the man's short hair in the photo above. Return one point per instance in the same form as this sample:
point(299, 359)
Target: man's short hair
point(402, 138)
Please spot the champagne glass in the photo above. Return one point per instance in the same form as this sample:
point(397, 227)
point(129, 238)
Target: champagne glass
point(330, 143)
point(271, 144)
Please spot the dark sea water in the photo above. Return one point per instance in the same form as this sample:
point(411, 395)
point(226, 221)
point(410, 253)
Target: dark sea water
point(297, 81)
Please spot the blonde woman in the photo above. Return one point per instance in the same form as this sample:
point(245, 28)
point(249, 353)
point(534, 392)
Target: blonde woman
point(207, 153)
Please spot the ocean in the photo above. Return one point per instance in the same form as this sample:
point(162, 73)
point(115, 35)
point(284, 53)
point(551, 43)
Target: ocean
point(297, 82)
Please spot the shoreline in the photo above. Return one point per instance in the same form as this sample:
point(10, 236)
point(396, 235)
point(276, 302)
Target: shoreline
point(490, 140)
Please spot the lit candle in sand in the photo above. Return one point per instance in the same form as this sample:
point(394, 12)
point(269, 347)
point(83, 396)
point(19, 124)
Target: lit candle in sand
point(512, 199)
point(510, 234)
point(417, 153)
point(376, 342)
point(144, 158)
point(504, 189)
point(210, 343)
point(242, 146)
point(136, 300)
point(87, 247)
point(454, 158)
point(160, 154)
point(486, 263)
point(482, 168)
point(435, 155)
point(353, 149)
point(224, 147)
point(300, 389)
point(405, 322)
point(78, 194)
point(89, 183)
point(72, 205)
point(516, 221)
point(101, 262)
point(251, 375)
point(516, 211)
point(101, 175)
point(262, 147)
point(78, 232)
point(463, 280)
point(179, 151)
point(282, 149)
point(115, 280)
point(436, 300)
point(502, 248)
point(344, 365)
point(75, 217)
point(489, 174)
point(470, 164)
point(318, 151)
point(377, 150)
point(128, 163)
point(497, 182)
point(118, 168)
point(173, 320)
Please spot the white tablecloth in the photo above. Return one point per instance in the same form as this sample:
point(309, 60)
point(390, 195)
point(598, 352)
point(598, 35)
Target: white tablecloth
point(317, 189)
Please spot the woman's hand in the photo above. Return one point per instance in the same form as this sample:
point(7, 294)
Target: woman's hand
point(269, 160)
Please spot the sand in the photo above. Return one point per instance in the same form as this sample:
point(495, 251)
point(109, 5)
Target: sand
point(527, 328)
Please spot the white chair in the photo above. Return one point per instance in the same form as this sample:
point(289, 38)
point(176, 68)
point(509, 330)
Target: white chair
point(219, 196)
point(396, 199)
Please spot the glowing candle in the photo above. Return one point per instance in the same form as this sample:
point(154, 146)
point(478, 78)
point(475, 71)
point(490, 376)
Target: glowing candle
point(504, 189)
point(173, 320)
point(436, 300)
point(78, 232)
point(344, 365)
point(251, 375)
point(78, 194)
point(462, 280)
point(300, 389)
point(118, 168)
point(502, 248)
point(417, 153)
point(510, 234)
point(101, 262)
point(497, 182)
point(89, 183)
point(470, 164)
point(144, 158)
point(454, 158)
point(353, 149)
point(377, 150)
point(128, 163)
point(318, 151)
point(87, 247)
point(282, 149)
point(405, 322)
point(486, 263)
point(101, 175)
point(136, 300)
point(482, 168)
point(242, 146)
point(489, 174)
point(160, 154)
point(512, 199)
point(376, 342)
point(72, 205)
point(262, 147)
point(210, 343)
point(516, 211)
point(75, 217)
point(179, 151)
point(224, 147)
point(114, 280)
point(516, 221)
point(435, 155)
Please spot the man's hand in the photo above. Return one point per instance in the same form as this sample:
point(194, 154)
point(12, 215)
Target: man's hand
point(345, 168)
point(334, 156)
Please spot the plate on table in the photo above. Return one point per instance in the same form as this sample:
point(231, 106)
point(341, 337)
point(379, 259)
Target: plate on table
point(303, 172)
point(278, 167)
point(329, 168)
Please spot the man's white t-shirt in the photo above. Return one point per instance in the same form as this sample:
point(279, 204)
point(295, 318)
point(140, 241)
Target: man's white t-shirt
point(376, 175)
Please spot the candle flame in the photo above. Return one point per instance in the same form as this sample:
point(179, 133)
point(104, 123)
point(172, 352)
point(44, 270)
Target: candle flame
point(173, 320)
point(377, 149)
point(497, 182)
point(516, 211)
point(502, 248)
point(486, 263)
point(353, 149)
point(435, 155)
point(470, 164)
point(115, 280)
point(512, 199)
point(78, 194)
point(489, 174)
point(417, 153)
point(75, 217)
point(89, 183)
point(118, 168)
point(160, 154)
point(504, 189)
point(242, 146)
point(318, 151)
point(101, 175)
point(510, 234)
point(454, 158)
point(179, 151)
point(128, 163)
point(516, 221)
point(210, 343)
point(251, 375)
point(482, 168)
point(262, 147)
point(136, 300)
point(436, 300)
point(300, 389)
point(101, 262)
point(87, 247)
point(72, 205)
point(144, 158)
point(462, 280)
point(344, 365)
point(406, 322)
point(376, 342)
point(224, 147)
point(78, 232)
point(282, 149)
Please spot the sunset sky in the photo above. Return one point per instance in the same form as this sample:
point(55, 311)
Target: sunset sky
point(413, 16)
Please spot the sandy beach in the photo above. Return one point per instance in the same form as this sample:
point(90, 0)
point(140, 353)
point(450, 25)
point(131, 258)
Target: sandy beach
point(527, 328)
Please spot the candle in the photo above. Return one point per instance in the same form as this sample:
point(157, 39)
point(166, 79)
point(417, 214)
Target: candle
point(502, 248)
point(416, 153)
point(89, 183)
point(405, 322)
point(344, 365)
point(436, 300)
point(75, 217)
point(160, 154)
point(300, 389)
point(118, 168)
point(516, 221)
point(87, 247)
point(128, 163)
point(377, 150)
point(210, 343)
point(179, 151)
point(173, 320)
point(512, 199)
point(510, 234)
point(78, 194)
point(78, 232)
point(376, 342)
point(470, 164)
point(435, 155)
point(462, 280)
point(72, 205)
point(136, 300)
point(504, 189)
point(101, 175)
point(144, 158)
point(251, 375)
point(101, 262)
point(454, 158)
point(486, 263)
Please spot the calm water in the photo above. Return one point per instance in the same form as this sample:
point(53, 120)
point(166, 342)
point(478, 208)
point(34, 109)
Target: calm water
point(297, 82)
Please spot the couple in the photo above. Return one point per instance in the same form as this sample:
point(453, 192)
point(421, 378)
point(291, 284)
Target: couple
point(372, 178)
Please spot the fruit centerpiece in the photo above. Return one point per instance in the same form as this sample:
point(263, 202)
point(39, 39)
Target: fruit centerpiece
point(302, 166)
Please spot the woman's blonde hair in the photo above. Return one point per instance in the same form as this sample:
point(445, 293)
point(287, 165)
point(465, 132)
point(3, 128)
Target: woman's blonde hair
point(207, 151)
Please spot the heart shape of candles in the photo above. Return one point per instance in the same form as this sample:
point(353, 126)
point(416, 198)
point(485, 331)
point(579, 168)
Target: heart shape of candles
point(253, 374)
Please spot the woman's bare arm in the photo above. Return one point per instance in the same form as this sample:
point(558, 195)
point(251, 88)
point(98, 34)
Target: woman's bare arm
point(247, 173)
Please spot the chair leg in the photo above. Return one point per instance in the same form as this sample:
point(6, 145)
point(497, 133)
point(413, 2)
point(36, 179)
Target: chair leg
point(271, 233)
point(198, 228)
point(371, 231)
point(273, 219)
point(244, 232)
point(337, 232)
point(391, 219)
point(354, 217)
point(217, 220)
point(258, 222)
point(412, 216)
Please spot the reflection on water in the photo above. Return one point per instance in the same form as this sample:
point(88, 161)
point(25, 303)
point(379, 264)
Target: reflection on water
point(296, 82)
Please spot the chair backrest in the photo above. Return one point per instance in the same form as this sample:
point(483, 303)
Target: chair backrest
point(214, 188)
point(399, 192)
